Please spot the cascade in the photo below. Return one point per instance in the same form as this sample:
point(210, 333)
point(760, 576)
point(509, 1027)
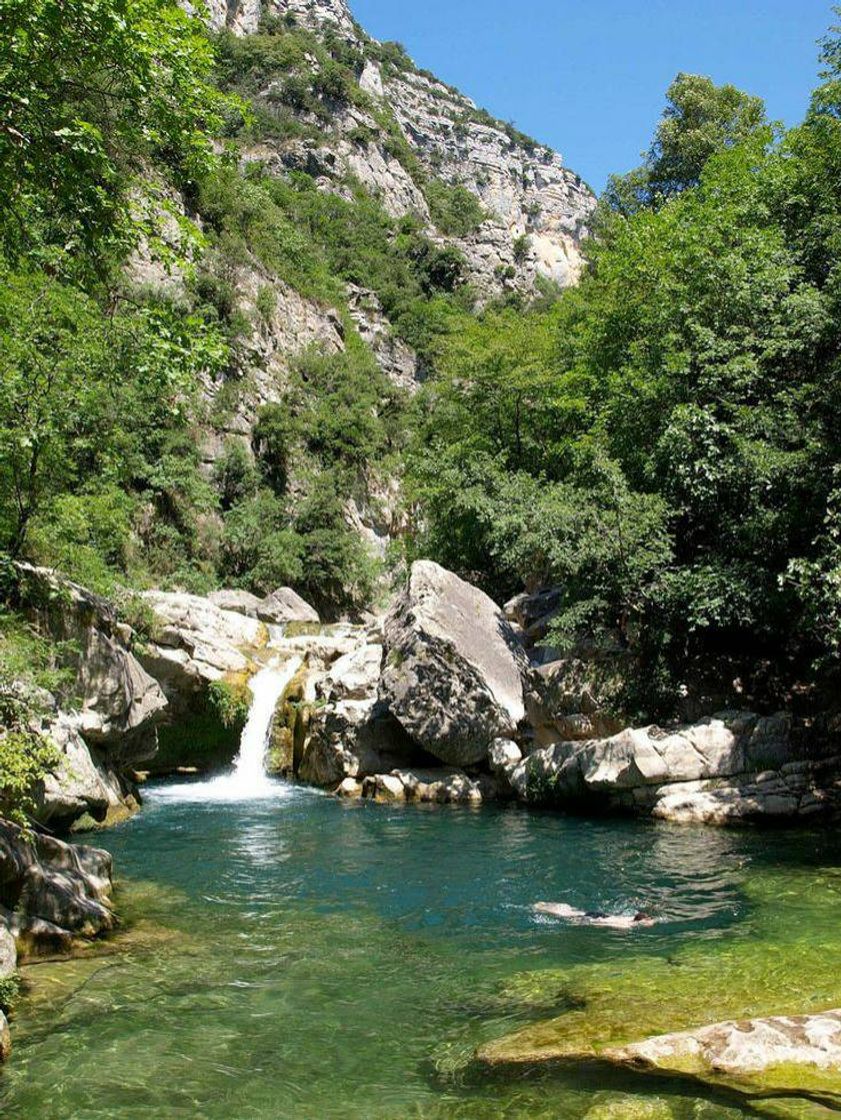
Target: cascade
point(248, 779)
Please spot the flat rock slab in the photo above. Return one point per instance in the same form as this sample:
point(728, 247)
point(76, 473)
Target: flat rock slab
point(734, 1047)
point(743, 1046)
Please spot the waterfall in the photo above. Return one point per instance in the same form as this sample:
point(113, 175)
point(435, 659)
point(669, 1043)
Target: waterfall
point(248, 779)
point(249, 776)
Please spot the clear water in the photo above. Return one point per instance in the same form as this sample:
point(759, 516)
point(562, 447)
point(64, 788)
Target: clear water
point(300, 957)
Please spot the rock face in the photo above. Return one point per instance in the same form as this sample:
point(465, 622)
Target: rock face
point(744, 1046)
point(117, 705)
point(82, 784)
point(52, 892)
point(286, 605)
point(121, 704)
point(536, 210)
point(729, 768)
point(197, 643)
point(454, 671)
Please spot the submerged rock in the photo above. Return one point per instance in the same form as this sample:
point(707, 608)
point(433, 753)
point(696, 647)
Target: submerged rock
point(745, 1046)
point(453, 674)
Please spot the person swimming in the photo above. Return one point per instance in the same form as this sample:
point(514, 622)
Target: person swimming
point(595, 917)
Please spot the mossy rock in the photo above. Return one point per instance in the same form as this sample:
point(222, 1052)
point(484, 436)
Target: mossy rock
point(280, 755)
point(775, 964)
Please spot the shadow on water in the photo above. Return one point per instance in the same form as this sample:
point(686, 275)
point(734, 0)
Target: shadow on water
point(596, 1076)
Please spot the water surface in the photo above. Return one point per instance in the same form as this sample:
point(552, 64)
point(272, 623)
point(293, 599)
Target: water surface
point(301, 957)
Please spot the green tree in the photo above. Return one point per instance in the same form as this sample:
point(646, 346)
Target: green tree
point(91, 92)
point(700, 119)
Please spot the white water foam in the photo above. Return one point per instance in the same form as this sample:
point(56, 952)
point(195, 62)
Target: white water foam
point(248, 780)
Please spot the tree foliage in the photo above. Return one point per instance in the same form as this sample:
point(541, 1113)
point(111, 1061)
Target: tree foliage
point(91, 92)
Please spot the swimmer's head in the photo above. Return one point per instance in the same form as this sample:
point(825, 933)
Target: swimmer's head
point(643, 919)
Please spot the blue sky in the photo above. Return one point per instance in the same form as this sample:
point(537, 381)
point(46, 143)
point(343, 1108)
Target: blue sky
point(588, 76)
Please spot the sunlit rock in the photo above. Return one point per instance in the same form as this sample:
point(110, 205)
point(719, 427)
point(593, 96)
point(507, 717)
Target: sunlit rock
point(453, 673)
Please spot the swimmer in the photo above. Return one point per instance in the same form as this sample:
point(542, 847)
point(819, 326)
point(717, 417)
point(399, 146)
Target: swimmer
point(595, 917)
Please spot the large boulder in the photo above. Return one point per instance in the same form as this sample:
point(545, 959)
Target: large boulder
point(454, 669)
point(52, 892)
point(240, 602)
point(284, 606)
point(82, 783)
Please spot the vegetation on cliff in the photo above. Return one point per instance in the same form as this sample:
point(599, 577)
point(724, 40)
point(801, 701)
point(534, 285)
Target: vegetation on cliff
point(661, 441)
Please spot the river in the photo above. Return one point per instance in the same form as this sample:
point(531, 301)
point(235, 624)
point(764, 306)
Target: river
point(295, 956)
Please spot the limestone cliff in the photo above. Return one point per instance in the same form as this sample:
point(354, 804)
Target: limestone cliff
point(536, 210)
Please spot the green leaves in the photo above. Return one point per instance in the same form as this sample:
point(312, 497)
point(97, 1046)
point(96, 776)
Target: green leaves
point(92, 91)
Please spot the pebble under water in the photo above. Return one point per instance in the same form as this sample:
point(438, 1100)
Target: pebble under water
point(301, 957)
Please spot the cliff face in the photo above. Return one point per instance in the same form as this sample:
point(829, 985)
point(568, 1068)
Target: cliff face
point(351, 116)
point(535, 210)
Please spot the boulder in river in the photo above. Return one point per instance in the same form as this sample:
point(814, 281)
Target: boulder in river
point(454, 669)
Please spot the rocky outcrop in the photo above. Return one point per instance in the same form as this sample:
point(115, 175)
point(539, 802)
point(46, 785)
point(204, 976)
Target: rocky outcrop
point(121, 704)
point(395, 358)
point(733, 767)
point(745, 1046)
point(453, 674)
point(536, 210)
point(243, 16)
point(195, 644)
point(52, 892)
point(285, 605)
point(106, 721)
